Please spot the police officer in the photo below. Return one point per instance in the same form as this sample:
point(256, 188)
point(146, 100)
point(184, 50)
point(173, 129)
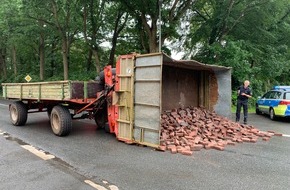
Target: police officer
point(244, 93)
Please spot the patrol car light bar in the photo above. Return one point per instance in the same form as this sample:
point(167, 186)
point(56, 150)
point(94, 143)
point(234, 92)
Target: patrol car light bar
point(281, 88)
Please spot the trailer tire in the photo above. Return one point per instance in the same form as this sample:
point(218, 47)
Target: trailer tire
point(107, 128)
point(60, 121)
point(49, 109)
point(18, 113)
point(101, 119)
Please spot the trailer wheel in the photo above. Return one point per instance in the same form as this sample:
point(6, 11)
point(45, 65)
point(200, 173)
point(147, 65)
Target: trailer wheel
point(107, 128)
point(18, 113)
point(49, 109)
point(101, 119)
point(60, 121)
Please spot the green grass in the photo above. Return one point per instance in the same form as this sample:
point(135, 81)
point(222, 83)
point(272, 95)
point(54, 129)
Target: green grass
point(250, 109)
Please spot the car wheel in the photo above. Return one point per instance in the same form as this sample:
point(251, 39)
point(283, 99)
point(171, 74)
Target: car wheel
point(258, 112)
point(272, 114)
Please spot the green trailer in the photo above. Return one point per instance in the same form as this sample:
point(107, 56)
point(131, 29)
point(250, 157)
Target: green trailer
point(62, 100)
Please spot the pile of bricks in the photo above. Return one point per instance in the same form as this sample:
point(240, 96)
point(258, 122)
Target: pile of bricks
point(192, 129)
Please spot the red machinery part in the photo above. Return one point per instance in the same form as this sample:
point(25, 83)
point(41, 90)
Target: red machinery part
point(112, 109)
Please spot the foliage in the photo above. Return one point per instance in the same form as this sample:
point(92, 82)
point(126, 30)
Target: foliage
point(246, 35)
point(46, 38)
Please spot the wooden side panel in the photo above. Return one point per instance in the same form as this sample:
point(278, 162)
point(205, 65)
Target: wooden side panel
point(59, 90)
point(56, 90)
point(124, 92)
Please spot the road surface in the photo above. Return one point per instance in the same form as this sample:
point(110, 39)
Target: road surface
point(92, 159)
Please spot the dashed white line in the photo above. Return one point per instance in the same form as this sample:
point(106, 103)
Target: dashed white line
point(284, 135)
point(94, 185)
point(46, 156)
point(38, 153)
point(113, 187)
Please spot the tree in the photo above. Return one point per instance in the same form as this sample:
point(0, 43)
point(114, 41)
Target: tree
point(246, 35)
point(146, 14)
point(8, 27)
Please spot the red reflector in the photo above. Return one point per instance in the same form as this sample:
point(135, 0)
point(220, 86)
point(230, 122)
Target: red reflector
point(109, 73)
point(284, 102)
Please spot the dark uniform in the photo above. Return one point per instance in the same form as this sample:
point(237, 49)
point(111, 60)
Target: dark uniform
point(243, 102)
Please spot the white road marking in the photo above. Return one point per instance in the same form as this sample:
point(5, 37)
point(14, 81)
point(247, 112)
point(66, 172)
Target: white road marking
point(4, 105)
point(94, 185)
point(113, 187)
point(45, 156)
point(37, 152)
point(284, 135)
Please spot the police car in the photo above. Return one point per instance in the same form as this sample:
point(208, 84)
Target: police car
point(275, 103)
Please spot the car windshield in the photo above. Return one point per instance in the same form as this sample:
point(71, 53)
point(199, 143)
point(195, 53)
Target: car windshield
point(272, 95)
point(267, 95)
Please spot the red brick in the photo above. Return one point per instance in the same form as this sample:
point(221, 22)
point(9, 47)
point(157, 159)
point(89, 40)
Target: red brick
point(162, 148)
point(254, 140)
point(239, 140)
point(209, 146)
point(176, 142)
point(187, 147)
point(179, 134)
point(169, 147)
point(219, 147)
point(193, 133)
point(197, 140)
point(231, 142)
point(222, 143)
point(197, 147)
point(245, 139)
point(266, 138)
point(184, 140)
point(204, 143)
point(187, 152)
point(173, 150)
point(171, 134)
point(278, 134)
point(180, 149)
point(204, 129)
point(188, 137)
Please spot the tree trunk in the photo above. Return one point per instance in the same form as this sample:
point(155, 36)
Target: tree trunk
point(89, 59)
point(153, 48)
point(52, 61)
point(14, 62)
point(117, 29)
point(97, 60)
point(113, 49)
point(152, 33)
point(41, 56)
point(65, 57)
point(3, 64)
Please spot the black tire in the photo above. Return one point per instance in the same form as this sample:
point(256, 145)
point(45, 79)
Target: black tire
point(107, 128)
point(60, 121)
point(49, 109)
point(101, 119)
point(258, 112)
point(272, 114)
point(18, 113)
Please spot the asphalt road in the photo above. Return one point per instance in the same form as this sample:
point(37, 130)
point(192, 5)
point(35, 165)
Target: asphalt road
point(95, 156)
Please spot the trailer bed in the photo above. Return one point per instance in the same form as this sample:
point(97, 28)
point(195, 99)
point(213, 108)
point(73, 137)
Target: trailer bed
point(55, 90)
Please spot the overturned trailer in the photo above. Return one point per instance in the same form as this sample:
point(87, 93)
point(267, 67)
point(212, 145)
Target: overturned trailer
point(147, 85)
point(128, 101)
